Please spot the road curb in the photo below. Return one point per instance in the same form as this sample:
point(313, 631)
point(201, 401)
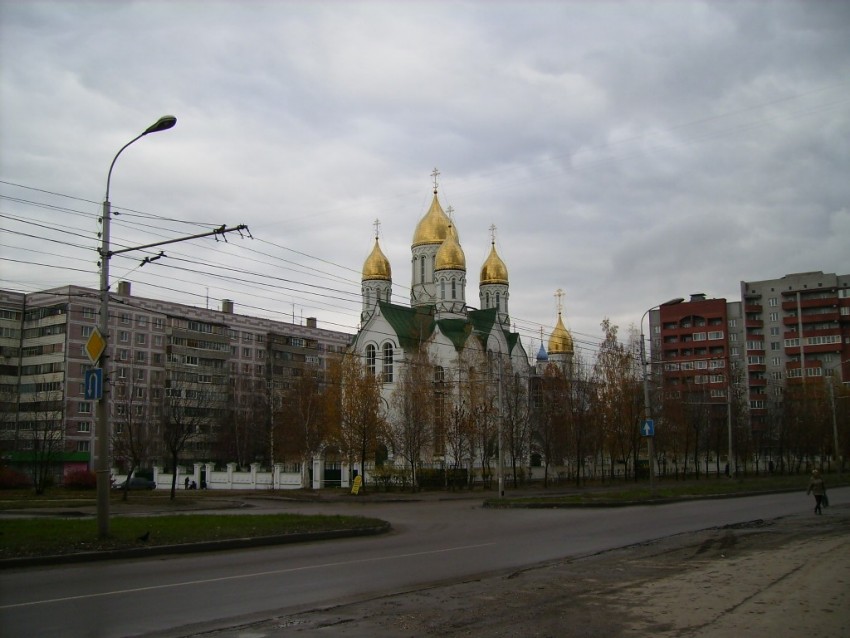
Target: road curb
point(191, 548)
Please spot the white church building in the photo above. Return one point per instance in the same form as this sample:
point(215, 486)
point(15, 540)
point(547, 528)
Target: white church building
point(439, 322)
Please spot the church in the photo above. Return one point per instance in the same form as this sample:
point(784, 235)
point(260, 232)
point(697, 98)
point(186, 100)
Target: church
point(458, 340)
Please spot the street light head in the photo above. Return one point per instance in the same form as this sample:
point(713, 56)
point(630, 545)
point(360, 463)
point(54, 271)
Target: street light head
point(162, 124)
point(674, 301)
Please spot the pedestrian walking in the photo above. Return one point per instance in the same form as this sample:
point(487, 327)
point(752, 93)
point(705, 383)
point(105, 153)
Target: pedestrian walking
point(818, 488)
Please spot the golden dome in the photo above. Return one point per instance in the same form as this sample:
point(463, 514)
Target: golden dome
point(561, 342)
point(494, 270)
point(433, 227)
point(450, 255)
point(377, 266)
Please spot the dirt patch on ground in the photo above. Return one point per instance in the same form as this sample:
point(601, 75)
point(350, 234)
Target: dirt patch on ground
point(785, 577)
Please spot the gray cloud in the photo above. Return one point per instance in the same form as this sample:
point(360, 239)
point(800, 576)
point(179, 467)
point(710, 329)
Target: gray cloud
point(627, 152)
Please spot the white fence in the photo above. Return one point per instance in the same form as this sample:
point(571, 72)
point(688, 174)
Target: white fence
point(205, 476)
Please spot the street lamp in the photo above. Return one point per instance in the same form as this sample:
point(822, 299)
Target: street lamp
point(647, 406)
point(103, 429)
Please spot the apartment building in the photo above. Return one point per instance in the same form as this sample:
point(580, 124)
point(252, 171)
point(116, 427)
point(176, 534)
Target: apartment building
point(797, 327)
point(155, 349)
point(696, 344)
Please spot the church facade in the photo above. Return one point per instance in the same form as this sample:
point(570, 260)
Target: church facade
point(460, 342)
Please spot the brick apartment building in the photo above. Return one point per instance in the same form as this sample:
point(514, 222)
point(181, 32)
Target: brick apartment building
point(154, 347)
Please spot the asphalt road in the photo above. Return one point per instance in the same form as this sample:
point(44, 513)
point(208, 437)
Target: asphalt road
point(432, 542)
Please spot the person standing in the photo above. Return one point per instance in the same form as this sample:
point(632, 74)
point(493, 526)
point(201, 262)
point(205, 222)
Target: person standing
point(818, 488)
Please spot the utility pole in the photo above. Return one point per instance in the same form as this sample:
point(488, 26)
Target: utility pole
point(104, 430)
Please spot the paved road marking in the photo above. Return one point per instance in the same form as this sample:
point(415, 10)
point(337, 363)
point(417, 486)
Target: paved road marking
point(121, 592)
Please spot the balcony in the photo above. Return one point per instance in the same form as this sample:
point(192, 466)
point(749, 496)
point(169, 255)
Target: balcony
point(817, 318)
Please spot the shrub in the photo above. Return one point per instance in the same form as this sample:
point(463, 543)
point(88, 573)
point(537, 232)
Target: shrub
point(12, 479)
point(80, 480)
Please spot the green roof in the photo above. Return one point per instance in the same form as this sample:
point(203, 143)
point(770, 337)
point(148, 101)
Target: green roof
point(412, 325)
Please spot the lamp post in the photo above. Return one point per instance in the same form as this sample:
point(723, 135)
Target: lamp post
point(103, 429)
point(647, 405)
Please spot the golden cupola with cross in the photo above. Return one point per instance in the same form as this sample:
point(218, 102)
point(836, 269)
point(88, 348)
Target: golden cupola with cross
point(493, 290)
point(376, 280)
point(561, 350)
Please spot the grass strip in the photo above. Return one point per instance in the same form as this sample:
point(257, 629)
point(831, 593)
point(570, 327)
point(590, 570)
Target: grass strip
point(51, 537)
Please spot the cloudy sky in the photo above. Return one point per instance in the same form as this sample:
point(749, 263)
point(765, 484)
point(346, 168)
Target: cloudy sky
point(626, 152)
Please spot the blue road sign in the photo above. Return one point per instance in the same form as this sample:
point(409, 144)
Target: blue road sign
point(94, 384)
point(648, 428)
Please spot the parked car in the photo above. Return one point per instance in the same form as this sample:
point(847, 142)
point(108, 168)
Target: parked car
point(137, 483)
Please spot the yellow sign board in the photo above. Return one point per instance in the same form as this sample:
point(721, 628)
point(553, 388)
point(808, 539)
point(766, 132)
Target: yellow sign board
point(95, 345)
point(358, 482)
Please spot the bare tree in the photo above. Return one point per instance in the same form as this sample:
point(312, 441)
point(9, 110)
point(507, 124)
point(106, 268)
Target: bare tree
point(41, 431)
point(412, 399)
point(304, 409)
point(618, 396)
point(189, 410)
point(134, 435)
point(240, 436)
point(516, 420)
point(551, 417)
point(361, 427)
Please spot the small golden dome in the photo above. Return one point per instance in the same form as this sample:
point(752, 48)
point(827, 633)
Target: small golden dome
point(450, 255)
point(561, 341)
point(494, 270)
point(377, 266)
point(433, 227)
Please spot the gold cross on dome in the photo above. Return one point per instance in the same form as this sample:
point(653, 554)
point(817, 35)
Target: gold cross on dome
point(560, 295)
point(377, 225)
point(435, 173)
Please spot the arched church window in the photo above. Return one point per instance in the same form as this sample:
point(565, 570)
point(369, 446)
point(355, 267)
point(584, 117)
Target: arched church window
point(370, 359)
point(439, 374)
point(368, 297)
point(454, 288)
point(422, 270)
point(498, 299)
point(388, 363)
point(442, 288)
point(486, 299)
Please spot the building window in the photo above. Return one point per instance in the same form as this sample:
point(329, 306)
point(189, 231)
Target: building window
point(140, 374)
point(498, 302)
point(84, 426)
point(159, 323)
point(125, 318)
point(88, 313)
point(773, 317)
point(454, 288)
point(141, 356)
point(422, 269)
point(772, 302)
point(84, 407)
point(141, 321)
point(370, 359)
point(82, 446)
point(388, 363)
point(86, 331)
point(123, 336)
